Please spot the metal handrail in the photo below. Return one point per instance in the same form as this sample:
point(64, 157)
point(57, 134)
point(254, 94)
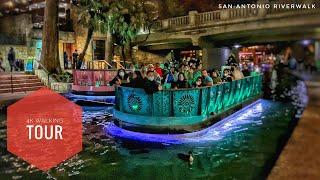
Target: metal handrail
point(107, 63)
point(11, 82)
point(46, 71)
point(119, 64)
point(90, 64)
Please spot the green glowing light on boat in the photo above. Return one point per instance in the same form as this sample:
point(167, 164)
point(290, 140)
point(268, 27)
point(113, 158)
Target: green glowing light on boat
point(135, 107)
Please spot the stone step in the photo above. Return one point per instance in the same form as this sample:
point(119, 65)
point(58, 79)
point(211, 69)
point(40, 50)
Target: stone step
point(19, 81)
point(9, 90)
point(20, 85)
point(17, 77)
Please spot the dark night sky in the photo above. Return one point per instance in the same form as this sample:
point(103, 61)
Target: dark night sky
point(167, 8)
point(172, 8)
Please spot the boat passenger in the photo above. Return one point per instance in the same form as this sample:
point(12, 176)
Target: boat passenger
point(188, 73)
point(150, 85)
point(170, 78)
point(143, 70)
point(132, 69)
point(181, 68)
point(226, 76)
point(197, 72)
point(245, 70)
point(236, 73)
point(158, 69)
point(194, 67)
point(158, 78)
point(137, 81)
point(198, 82)
point(181, 82)
point(216, 79)
point(207, 80)
point(231, 61)
point(121, 78)
point(166, 69)
point(193, 61)
point(150, 67)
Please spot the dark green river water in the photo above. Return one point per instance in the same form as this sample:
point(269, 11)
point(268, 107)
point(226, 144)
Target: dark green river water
point(242, 146)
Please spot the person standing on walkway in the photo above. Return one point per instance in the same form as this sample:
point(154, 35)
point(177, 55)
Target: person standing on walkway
point(75, 56)
point(12, 59)
point(79, 63)
point(65, 60)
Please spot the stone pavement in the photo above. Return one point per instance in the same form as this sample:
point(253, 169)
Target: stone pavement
point(300, 157)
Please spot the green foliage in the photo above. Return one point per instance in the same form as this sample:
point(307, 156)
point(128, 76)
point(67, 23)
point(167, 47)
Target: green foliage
point(128, 17)
point(123, 18)
point(63, 77)
point(92, 14)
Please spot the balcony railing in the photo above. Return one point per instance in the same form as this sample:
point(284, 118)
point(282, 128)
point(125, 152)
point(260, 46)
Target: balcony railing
point(242, 13)
point(208, 17)
point(194, 19)
point(178, 21)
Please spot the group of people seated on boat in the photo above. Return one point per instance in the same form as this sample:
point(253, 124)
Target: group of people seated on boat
point(187, 75)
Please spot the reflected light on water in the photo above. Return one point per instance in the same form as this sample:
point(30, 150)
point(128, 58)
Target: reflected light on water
point(231, 124)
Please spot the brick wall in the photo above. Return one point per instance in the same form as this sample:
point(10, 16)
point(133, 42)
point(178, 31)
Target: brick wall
point(147, 57)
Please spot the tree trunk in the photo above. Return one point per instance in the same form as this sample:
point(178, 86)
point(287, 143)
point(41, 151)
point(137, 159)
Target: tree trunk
point(109, 48)
point(123, 54)
point(129, 52)
point(89, 36)
point(50, 51)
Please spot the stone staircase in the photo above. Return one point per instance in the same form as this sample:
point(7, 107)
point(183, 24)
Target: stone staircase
point(20, 83)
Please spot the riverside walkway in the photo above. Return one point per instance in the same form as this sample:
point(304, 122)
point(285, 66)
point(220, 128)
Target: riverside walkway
point(299, 159)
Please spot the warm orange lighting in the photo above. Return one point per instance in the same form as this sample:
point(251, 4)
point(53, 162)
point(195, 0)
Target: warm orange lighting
point(10, 4)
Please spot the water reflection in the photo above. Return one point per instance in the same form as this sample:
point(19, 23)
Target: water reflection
point(239, 147)
point(232, 124)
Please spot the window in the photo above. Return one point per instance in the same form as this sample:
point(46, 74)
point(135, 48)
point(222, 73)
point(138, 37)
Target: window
point(99, 49)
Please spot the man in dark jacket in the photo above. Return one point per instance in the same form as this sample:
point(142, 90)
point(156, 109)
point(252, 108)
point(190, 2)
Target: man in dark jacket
point(151, 86)
point(75, 60)
point(12, 59)
point(65, 60)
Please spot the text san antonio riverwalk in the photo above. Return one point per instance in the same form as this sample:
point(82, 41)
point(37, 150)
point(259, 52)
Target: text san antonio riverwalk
point(267, 6)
